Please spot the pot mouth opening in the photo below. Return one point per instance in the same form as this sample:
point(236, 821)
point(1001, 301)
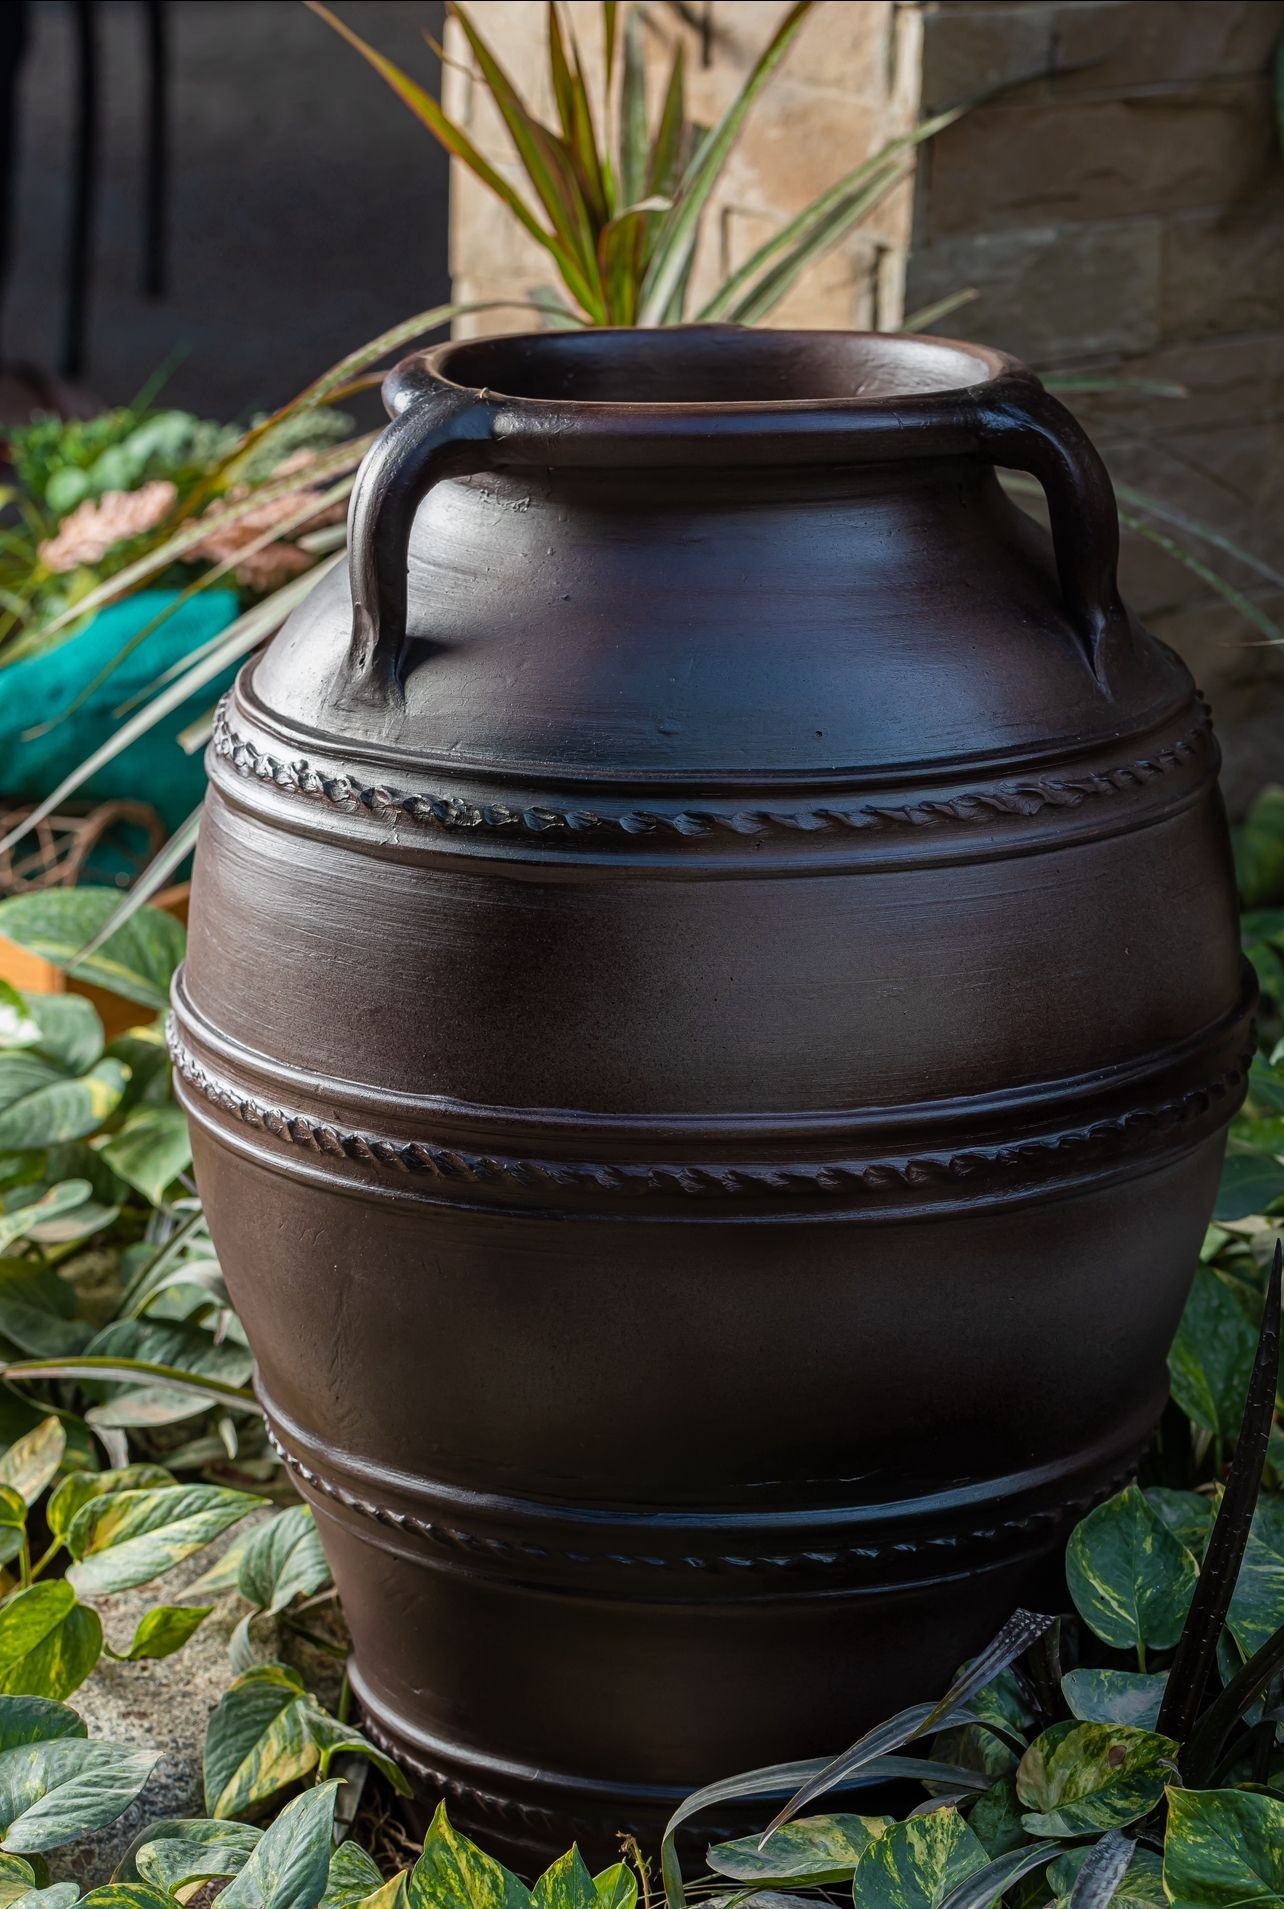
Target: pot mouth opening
point(684, 367)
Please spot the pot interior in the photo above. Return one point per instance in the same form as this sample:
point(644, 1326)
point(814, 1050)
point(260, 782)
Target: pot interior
point(711, 364)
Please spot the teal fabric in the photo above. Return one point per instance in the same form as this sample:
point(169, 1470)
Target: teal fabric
point(154, 769)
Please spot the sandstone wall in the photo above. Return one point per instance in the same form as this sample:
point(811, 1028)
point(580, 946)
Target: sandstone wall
point(1117, 208)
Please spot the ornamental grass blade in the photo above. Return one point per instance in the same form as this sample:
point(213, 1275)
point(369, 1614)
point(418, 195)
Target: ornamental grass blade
point(153, 878)
point(559, 69)
point(667, 154)
point(444, 130)
point(129, 1372)
point(1097, 1883)
point(1022, 1629)
point(987, 1885)
point(803, 223)
point(1200, 1760)
point(632, 163)
point(1195, 526)
point(555, 169)
point(676, 239)
point(1197, 1647)
point(762, 298)
point(927, 315)
point(1250, 611)
point(774, 1778)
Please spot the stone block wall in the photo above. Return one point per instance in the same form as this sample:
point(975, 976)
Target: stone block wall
point(1122, 215)
point(1115, 205)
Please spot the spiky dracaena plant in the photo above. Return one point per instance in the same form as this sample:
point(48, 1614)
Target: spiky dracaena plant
point(617, 198)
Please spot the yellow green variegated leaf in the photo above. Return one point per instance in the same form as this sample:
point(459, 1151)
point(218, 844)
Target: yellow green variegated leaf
point(995, 1818)
point(918, 1863)
point(1141, 1887)
point(353, 1876)
point(283, 1560)
point(13, 1524)
point(127, 1895)
point(1115, 1696)
point(1257, 1607)
point(54, 1895)
point(207, 1851)
point(191, 1831)
point(453, 1873)
point(290, 1863)
point(1188, 1515)
point(150, 1150)
point(258, 1740)
point(165, 1342)
point(69, 1032)
point(815, 1850)
point(37, 1309)
point(64, 1109)
point(36, 1720)
point(138, 961)
point(162, 1630)
point(1081, 1778)
point(17, 1879)
point(616, 1887)
point(566, 1884)
point(392, 1895)
point(130, 1537)
point(18, 1025)
point(1130, 1578)
point(78, 1488)
point(223, 1573)
point(21, 1218)
point(32, 1462)
point(53, 1792)
point(1224, 1849)
point(1211, 1357)
point(49, 1641)
point(334, 1739)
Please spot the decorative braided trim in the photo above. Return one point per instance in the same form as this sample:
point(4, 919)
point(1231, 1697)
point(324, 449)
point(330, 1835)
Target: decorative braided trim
point(946, 1544)
point(1014, 801)
point(872, 1179)
point(562, 1826)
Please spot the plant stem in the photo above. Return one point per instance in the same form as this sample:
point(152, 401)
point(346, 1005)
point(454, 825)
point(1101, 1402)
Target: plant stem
point(315, 1638)
point(48, 1557)
point(1141, 1655)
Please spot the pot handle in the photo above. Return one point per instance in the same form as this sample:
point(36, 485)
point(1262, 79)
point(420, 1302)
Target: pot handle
point(445, 433)
point(1022, 427)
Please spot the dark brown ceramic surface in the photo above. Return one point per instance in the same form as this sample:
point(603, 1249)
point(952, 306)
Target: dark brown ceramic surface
point(709, 1028)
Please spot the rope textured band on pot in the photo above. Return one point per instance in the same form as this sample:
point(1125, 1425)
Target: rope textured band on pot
point(934, 1546)
point(1016, 801)
point(972, 1166)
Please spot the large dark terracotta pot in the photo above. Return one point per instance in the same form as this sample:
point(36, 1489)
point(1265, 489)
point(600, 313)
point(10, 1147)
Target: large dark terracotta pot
point(709, 1029)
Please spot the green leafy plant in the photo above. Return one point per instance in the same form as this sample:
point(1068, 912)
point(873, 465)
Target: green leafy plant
point(92, 495)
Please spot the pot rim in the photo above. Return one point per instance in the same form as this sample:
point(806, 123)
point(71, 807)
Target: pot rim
point(925, 387)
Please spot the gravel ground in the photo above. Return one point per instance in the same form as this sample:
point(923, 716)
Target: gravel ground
point(165, 1704)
